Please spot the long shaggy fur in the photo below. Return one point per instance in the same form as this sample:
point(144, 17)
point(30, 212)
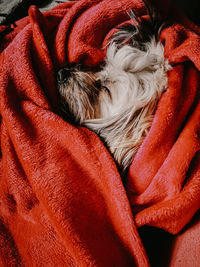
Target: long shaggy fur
point(136, 79)
point(119, 102)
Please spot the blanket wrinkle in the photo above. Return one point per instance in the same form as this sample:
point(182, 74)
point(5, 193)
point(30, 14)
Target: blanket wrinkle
point(62, 200)
point(166, 184)
point(41, 54)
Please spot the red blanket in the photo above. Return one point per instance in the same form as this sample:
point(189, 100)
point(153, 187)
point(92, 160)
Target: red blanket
point(62, 201)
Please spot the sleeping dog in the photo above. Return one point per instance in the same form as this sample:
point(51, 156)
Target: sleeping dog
point(119, 100)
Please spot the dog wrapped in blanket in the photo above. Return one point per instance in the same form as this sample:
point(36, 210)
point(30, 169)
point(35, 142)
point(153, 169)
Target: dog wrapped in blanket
point(119, 100)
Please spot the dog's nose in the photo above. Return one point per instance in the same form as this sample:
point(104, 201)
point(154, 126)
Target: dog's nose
point(63, 75)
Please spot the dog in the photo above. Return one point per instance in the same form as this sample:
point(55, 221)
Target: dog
point(118, 101)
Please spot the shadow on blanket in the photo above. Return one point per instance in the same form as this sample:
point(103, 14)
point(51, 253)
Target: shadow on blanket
point(62, 201)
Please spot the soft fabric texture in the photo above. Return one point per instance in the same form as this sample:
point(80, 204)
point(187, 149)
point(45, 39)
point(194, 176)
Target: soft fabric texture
point(62, 200)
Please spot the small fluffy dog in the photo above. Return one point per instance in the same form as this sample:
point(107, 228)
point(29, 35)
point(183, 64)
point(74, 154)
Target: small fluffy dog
point(118, 102)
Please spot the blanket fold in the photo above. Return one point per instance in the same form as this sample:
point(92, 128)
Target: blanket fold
point(62, 200)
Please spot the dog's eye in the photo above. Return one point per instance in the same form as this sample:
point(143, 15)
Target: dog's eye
point(102, 86)
point(105, 88)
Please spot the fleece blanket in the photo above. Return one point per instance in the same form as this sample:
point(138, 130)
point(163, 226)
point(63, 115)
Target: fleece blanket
point(62, 200)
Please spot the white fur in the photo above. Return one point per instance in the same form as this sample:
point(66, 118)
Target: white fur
point(134, 77)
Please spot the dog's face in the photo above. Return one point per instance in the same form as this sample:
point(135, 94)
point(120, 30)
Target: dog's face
point(119, 100)
point(129, 78)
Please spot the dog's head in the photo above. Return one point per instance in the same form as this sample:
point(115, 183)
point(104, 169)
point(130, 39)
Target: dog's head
point(129, 77)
